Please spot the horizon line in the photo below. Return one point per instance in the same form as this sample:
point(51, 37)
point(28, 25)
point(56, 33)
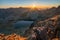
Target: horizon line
point(28, 7)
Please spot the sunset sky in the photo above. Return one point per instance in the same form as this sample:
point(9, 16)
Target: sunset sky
point(28, 3)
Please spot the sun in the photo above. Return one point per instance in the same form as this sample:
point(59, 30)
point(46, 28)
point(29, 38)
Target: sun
point(33, 6)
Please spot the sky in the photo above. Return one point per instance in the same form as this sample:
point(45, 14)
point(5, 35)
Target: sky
point(28, 3)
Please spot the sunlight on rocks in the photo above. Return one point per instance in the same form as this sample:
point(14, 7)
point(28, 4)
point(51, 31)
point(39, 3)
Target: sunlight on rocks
point(12, 37)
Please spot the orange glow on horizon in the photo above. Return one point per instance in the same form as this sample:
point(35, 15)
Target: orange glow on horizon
point(30, 6)
point(39, 6)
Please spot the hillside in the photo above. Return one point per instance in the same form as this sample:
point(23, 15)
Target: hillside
point(10, 16)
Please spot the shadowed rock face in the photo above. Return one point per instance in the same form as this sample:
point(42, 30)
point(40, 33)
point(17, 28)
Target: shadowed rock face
point(51, 24)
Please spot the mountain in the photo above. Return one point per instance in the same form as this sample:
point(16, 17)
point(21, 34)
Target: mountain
point(10, 16)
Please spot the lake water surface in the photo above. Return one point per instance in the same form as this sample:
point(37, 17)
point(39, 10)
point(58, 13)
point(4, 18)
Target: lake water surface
point(22, 25)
